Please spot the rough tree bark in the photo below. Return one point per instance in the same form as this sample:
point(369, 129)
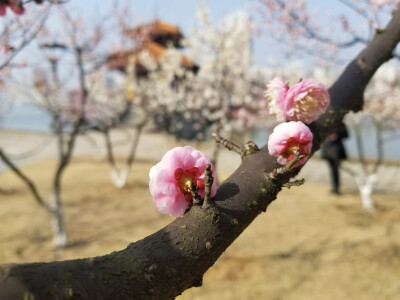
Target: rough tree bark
point(164, 264)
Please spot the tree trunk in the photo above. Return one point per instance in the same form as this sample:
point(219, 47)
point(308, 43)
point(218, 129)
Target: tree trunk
point(365, 185)
point(119, 177)
point(366, 181)
point(164, 264)
point(59, 234)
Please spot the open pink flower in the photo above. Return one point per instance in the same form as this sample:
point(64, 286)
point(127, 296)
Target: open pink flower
point(172, 178)
point(276, 95)
point(289, 140)
point(304, 101)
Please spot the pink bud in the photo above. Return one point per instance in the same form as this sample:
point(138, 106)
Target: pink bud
point(290, 140)
point(172, 178)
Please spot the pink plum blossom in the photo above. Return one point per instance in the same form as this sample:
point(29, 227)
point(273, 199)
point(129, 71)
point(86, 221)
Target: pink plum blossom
point(304, 101)
point(15, 5)
point(289, 140)
point(276, 95)
point(172, 178)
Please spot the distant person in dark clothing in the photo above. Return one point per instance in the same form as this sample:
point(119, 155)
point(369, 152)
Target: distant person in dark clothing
point(333, 151)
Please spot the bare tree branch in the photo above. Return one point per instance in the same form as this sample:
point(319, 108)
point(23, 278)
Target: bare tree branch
point(28, 37)
point(26, 180)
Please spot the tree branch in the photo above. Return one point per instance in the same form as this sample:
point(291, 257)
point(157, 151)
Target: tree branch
point(164, 264)
point(26, 180)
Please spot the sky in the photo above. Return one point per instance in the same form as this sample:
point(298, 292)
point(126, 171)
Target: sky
point(182, 13)
point(178, 12)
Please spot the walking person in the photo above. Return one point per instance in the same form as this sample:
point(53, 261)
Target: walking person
point(333, 151)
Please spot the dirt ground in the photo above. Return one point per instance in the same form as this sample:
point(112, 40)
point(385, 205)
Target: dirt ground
point(309, 245)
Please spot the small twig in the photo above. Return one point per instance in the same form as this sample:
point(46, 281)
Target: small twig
point(33, 151)
point(26, 180)
point(194, 191)
point(249, 148)
point(294, 183)
point(272, 175)
point(208, 181)
point(227, 144)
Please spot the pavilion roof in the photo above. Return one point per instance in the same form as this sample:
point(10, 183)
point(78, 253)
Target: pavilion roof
point(121, 59)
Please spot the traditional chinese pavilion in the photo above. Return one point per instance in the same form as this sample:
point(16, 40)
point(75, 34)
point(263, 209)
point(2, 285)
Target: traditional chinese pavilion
point(154, 38)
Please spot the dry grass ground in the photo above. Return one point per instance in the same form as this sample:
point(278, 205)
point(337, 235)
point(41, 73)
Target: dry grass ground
point(309, 244)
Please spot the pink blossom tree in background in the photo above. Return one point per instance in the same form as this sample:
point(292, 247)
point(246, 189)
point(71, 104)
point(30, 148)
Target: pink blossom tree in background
point(175, 258)
point(73, 108)
point(17, 31)
point(15, 34)
point(302, 28)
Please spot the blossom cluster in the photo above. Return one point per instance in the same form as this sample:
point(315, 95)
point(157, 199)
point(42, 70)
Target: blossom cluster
point(181, 170)
point(299, 104)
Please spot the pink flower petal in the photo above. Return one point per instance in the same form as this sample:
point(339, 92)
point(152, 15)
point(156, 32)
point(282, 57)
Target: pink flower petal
point(275, 95)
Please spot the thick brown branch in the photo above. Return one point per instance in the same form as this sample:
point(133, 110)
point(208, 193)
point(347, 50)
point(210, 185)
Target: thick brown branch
point(166, 263)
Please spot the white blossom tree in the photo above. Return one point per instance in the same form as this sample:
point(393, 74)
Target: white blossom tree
point(223, 95)
point(382, 112)
point(299, 28)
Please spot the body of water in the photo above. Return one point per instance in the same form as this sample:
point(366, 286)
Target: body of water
point(32, 118)
point(26, 117)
